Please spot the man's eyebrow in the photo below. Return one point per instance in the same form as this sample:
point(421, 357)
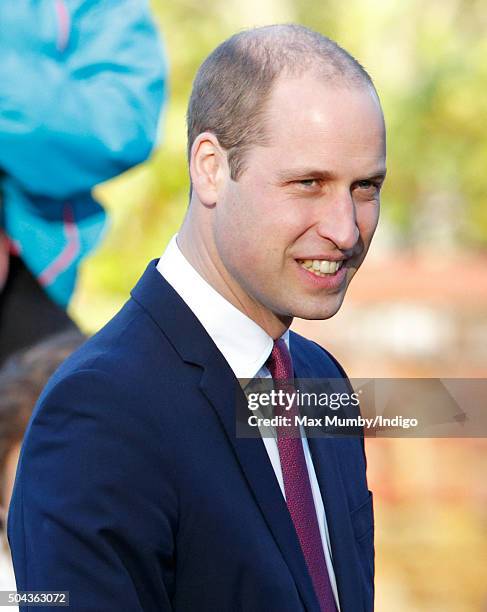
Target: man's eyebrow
point(379, 174)
point(296, 174)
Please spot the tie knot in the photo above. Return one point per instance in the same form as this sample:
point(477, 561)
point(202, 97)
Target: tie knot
point(279, 363)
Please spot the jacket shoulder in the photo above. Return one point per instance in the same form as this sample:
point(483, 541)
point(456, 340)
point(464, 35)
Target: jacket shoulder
point(316, 360)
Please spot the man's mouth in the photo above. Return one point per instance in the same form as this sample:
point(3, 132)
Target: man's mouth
point(320, 267)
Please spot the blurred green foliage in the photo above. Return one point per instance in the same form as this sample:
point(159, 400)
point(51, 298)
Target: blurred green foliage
point(428, 60)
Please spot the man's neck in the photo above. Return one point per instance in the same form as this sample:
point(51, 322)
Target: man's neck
point(206, 262)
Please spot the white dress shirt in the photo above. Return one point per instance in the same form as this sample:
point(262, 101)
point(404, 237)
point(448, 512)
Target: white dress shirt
point(246, 347)
point(7, 576)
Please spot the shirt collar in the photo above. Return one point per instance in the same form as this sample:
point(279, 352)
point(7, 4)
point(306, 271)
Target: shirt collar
point(243, 343)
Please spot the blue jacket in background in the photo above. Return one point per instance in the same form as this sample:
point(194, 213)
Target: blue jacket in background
point(82, 83)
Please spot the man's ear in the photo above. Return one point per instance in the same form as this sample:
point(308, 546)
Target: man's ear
point(208, 168)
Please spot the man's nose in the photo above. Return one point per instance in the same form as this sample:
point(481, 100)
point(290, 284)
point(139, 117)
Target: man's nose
point(338, 222)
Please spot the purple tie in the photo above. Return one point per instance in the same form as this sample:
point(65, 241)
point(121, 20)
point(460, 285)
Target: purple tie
point(297, 486)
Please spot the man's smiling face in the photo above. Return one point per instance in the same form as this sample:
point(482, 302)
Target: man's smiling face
point(297, 224)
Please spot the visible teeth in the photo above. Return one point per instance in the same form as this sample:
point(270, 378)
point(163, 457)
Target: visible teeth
point(325, 267)
point(320, 267)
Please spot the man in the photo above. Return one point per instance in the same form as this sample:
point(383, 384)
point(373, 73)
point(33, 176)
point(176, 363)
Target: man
point(133, 492)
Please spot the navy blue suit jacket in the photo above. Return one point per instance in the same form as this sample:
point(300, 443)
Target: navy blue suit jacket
point(134, 493)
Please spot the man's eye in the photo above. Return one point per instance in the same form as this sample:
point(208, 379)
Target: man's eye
point(308, 182)
point(366, 185)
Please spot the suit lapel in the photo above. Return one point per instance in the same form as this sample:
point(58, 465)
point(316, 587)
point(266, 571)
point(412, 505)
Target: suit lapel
point(330, 481)
point(339, 525)
point(256, 466)
point(222, 390)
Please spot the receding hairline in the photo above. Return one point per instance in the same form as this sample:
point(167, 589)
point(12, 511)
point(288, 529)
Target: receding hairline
point(289, 45)
point(252, 62)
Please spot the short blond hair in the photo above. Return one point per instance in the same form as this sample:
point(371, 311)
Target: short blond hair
point(233, 84)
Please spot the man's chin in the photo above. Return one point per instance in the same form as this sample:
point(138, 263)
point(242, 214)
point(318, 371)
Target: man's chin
point(317, 316)
point(319, 311)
